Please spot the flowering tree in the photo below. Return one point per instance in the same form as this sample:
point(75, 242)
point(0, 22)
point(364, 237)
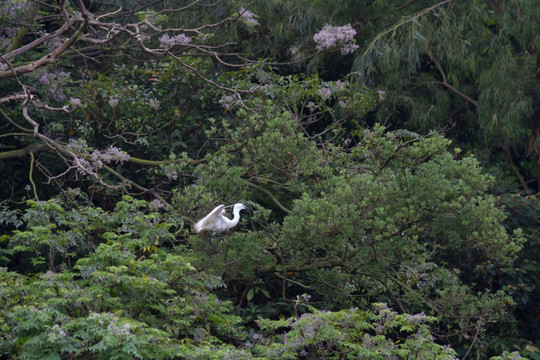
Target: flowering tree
point(38, 67)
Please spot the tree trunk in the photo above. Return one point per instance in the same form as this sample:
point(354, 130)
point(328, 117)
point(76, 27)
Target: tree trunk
point(534, 145)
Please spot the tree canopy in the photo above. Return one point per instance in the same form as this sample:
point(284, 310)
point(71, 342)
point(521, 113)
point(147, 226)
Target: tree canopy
point(388, 151)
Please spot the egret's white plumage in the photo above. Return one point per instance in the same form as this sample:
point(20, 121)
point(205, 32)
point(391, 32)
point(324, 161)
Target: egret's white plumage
point(215, 221)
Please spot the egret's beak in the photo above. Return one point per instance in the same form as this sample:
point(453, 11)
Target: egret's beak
point(248, 209)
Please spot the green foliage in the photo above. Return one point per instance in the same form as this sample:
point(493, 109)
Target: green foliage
point(370, 217)
point(354, 214)
point(468, 65)
point(351, 334)
point(50, 239)
point(130, 298)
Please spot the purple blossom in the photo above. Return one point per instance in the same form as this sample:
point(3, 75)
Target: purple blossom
point(57, 330)
point(125, 329)
point(113, 102)
point(324, 93)
point(97, 159)
point(171, 173)
point(166, 41)
point(115, 154)
point(248, 17)
point(341, 86)
point(8, 32)
point(44, 79)
point(54, 83)
point(417, 277)
point(154, 104)
point(332, 36)
point(156, 204)
point(84, 167)
point(52, 44)
point(367, 340)
point(78, 145)
point(75, 102)
point(311, 106)
point(511, 356)
point(227, 101)
point(236, 354)
point(14, 8)
point(383, 312)
point(348, 48)
point(417, 318)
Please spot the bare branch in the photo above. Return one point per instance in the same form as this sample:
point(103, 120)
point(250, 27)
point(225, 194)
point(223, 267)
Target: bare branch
point(20, 153)
point(42, 39)
point(50, 58)
point(13, 97)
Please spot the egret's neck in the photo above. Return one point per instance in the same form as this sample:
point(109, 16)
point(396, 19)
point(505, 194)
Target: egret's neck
point(236, 216)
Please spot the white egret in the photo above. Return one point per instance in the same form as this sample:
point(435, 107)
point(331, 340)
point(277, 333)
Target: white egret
point(217, 222)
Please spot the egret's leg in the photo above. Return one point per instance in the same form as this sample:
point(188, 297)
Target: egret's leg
point(210, 241)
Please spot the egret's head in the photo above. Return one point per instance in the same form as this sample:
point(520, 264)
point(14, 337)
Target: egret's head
point(241, 206)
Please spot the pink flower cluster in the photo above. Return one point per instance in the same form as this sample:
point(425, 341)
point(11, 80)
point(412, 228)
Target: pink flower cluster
point(332, 36)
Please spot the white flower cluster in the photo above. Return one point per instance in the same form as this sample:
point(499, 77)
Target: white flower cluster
point(113, 102)
point(119, 330)
point(75, 102)
point(228, 101)
point(154, 104)
point(332, 36)
point(170, 173)
point(167, 41)
point(96, 159)
point(57, 331)
point(248, 17)
point(324, 93)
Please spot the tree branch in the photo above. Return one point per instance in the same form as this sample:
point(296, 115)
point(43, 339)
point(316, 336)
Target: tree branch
point(269, 194)
point(42, 39)
point(135, 185)
point(447, 85)
point(301, 268)
point(49, 58)
point(20, 153)
point(30, 172)
point(402, 22)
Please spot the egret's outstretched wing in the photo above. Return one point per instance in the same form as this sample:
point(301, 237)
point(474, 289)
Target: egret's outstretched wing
point(207, 222)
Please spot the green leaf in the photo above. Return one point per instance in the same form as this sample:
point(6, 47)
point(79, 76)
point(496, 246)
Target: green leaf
point(250, 294)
